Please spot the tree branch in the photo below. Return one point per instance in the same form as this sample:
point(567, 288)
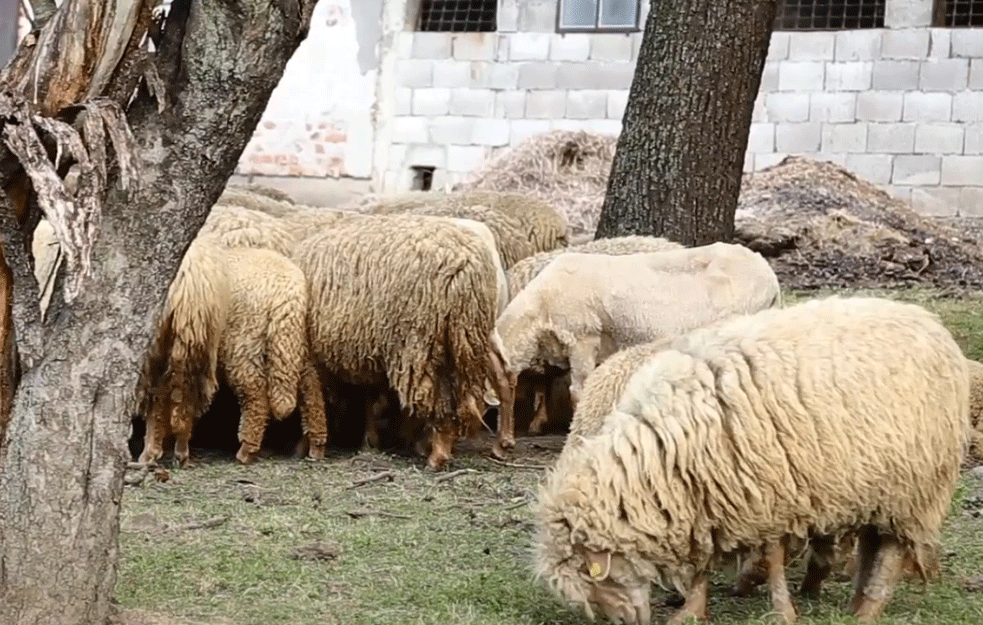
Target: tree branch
point(27, 298)
point(43, 11)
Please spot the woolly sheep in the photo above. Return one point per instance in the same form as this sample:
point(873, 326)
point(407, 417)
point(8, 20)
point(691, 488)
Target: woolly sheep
point(243, 227)
point(257, 201)
point(259, 189)
point(806, 412)
point(409, 303)
point(520, 274)
point(511, 237)
point(976, 411)
point(584, 307)
point(544, 226)
point(238, 314)
point(526, 269)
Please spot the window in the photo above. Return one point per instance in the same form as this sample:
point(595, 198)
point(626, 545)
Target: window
point(829, 14)
point(459, 16)
point(956, 13)
point(597, 15)
point(422, 177)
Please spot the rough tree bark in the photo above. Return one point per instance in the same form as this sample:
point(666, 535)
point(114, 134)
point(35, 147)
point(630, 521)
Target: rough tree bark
point(64, 454)
point(678, 163)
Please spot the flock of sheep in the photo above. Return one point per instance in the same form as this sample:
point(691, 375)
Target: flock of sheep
point(709, 421)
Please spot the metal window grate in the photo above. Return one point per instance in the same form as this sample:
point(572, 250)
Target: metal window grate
point(829, 14)
point(962, 13)
point(473, 16)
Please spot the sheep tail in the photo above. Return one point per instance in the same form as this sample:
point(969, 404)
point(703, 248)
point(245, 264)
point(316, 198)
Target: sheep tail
point(287, 351)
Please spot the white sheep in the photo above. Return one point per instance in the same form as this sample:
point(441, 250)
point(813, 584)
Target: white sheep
point(583, 307)
point(840, 414)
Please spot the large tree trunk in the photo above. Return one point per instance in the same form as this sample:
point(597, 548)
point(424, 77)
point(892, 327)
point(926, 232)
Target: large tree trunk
point(62, 461)
point(677, 167)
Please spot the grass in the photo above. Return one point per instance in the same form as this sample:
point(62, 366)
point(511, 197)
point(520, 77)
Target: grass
point(414, 550)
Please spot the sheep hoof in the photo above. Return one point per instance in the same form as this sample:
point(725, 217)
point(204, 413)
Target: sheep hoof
point(501, 448)
point(316, 452)
point(244, 455)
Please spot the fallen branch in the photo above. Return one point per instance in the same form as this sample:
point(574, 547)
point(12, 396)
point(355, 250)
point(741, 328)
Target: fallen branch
point(206, 524)
point(516, 504)
point(358, 514)
point(453, 474)
point(519, 465)
point(378, 477)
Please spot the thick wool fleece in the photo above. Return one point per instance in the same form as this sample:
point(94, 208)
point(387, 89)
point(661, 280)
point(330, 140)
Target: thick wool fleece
point(825, 415)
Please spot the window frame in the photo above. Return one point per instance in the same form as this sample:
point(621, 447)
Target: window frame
point(825, 29)
point(597, 27)
point(939, 17)
point(417, 20)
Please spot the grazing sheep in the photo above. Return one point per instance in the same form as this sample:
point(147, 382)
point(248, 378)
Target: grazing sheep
point(408, 303)
point(237, 314)
point(243, 227)
point(511, 237)
point(583, 307)
point(975, 454)
point(526, 269)
point(259, 189)
point(522, 273)
point(544, 227)
point(257, 201)
point(838, 414)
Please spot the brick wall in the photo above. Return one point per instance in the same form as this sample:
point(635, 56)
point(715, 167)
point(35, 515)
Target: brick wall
point(901, 106)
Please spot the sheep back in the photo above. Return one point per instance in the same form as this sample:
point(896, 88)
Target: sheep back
point(254, 200)
point(235, 226)
point(404, 298)
point(522, 273)
point(826, 415)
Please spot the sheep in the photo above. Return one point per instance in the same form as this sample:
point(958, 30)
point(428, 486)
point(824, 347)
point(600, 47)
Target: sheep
point(243, 227)
point(511, 236)
point(404, 302)
point(528, 268)
point(544, 227)
point(584, 307)
point(238, 314)
point(257, 201)
point(838, 414)
point(259, 189)
point(520, 274)
point(975, 451)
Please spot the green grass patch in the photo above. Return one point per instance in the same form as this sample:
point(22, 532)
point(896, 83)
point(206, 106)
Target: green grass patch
point(292, 543)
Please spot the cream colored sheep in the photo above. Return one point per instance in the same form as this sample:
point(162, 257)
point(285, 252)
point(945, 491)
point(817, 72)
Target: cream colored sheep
point(525, 270)
point(521, 273)
point(545, 228)
point(584, 307)
point(253, 303)
point(511, 236)
point(805, 413)
point(405, 302)
point(243, 227)
point(254, 200)
point(259, 189)
point(975, 454)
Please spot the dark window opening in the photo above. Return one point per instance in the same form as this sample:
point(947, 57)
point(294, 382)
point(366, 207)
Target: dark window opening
point(422, 177)
point(829, 14)
point(458, 16)
point(958, 13)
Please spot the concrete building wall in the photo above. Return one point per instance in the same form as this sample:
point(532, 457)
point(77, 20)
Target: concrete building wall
point(901, 106)
point(319, 120)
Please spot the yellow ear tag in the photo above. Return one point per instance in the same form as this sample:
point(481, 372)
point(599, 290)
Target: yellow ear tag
point(595, 569)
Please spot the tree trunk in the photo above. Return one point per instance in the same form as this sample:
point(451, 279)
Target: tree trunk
point(62, 464)
point(678, 163)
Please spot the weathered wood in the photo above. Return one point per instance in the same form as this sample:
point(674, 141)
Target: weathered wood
point(64, 455)
point(678, 163)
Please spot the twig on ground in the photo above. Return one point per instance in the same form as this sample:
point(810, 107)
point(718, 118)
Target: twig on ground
point(385, 475)
point(357, 514)
point(519, 465)
point(206, 524)
point(516, 504)
point(450, 476)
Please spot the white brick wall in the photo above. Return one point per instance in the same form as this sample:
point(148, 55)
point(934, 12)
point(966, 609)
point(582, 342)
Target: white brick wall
point(901, 106)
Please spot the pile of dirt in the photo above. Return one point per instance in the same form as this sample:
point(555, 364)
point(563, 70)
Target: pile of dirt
point(568, 169)
point(818, 224)
point(821, 226)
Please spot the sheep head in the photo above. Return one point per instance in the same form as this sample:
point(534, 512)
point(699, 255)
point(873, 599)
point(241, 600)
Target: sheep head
point(615, 588)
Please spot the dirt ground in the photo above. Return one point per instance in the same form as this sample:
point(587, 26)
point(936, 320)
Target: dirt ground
point(372, 538)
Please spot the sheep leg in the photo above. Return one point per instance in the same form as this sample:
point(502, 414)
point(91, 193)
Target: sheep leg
point(505, 383)
point(696, 603)
point(313, 418)
point(540, 401)
point(374, 407)
point(753, 573)
point(820, 563)
point(253, 420)
point(153, 439)
point(781, 601)
point(868, 543)
point(182, 437)
point(888, 569)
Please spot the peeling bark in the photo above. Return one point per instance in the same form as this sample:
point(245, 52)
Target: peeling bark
point(63, 457)
point(679, 159)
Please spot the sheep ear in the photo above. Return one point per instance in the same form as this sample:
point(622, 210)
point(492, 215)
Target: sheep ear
point(598, 564)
